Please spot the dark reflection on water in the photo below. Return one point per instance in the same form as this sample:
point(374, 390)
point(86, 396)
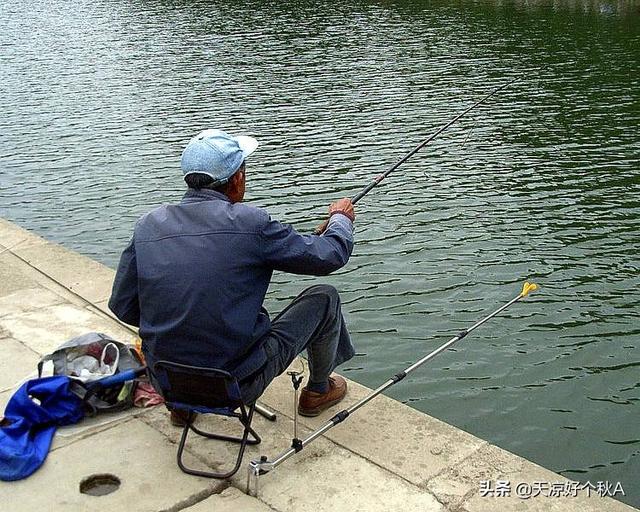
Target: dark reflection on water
point(541, 183)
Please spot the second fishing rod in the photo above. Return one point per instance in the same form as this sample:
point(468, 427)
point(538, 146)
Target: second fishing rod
point(265, 465)
point(378, 179)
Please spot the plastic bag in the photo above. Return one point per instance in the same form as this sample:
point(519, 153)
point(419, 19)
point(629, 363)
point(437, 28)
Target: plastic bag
point(89, 358)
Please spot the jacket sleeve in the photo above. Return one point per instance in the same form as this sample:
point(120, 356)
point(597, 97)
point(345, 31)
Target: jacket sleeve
point(124, 295)
point(287, 250)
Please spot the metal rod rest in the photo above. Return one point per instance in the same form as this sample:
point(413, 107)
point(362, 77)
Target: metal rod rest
point(264, 411)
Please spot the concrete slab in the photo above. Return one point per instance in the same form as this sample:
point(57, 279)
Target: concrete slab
point(17, 362)
point(12, 276)
point(340, 480)
point(31, 278)
point(139, 456)
point(13, 236)
point(82, 275)
point(459, 487)
point(45, 329)
point(103, 307)
point(91, 426)
point(28, 299)
point(230, 500)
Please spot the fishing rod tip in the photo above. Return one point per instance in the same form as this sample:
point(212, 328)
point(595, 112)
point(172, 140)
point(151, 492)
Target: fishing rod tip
point(527, 288)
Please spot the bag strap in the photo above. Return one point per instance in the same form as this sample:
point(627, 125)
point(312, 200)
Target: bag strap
point(46, 358)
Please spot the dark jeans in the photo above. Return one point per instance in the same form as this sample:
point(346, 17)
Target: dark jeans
point(313, 321)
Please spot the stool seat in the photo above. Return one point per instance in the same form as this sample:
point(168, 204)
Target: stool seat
point(205, 391)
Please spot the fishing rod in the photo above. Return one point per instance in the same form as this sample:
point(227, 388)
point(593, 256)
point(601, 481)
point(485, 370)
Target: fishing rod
point(378, 179)
point(264, 465)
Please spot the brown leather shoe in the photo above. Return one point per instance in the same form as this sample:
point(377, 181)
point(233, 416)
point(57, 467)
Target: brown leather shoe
point(312, 403)
point(179, 417)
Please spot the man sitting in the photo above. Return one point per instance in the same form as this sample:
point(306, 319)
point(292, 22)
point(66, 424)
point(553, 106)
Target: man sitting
point(195, 274)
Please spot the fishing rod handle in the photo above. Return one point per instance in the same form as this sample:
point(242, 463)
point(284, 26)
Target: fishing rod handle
point(321, 228)
point(335, 208)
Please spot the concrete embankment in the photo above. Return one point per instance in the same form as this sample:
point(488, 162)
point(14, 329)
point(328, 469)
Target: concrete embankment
point(390, 457)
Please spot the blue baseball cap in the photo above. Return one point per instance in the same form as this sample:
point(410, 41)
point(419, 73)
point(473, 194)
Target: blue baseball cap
point(216, 154)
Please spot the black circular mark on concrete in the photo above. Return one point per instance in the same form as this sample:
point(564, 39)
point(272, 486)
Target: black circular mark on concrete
point(99, 485)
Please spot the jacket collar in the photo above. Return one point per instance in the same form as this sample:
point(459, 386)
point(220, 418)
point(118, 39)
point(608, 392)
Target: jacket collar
point(203, 194)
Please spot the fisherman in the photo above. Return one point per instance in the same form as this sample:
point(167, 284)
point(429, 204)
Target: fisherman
point(195, 274)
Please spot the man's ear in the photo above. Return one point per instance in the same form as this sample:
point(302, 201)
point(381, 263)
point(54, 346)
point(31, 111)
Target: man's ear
point(235, 189)
point(236, 179)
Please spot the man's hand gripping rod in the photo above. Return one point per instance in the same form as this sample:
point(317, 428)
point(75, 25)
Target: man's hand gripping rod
point(264, 465)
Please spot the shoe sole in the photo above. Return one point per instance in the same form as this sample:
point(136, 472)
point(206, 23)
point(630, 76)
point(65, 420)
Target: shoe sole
point(310, 413)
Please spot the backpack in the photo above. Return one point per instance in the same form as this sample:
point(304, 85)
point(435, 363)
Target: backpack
point(89, 358)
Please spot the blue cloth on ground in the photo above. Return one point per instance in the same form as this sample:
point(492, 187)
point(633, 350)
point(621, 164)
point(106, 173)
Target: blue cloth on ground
point(25, 442)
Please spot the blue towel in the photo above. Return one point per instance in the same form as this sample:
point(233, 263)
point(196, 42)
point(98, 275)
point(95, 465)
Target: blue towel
point(25, 442)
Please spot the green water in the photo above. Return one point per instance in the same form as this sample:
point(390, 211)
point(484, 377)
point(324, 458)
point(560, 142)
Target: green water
point(540, 183)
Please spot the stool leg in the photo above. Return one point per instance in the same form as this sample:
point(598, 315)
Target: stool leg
point(245, 419)
point(232, 439)
point(183, 441)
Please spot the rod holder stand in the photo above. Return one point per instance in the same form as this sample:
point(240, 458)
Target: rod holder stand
point(296, 380)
